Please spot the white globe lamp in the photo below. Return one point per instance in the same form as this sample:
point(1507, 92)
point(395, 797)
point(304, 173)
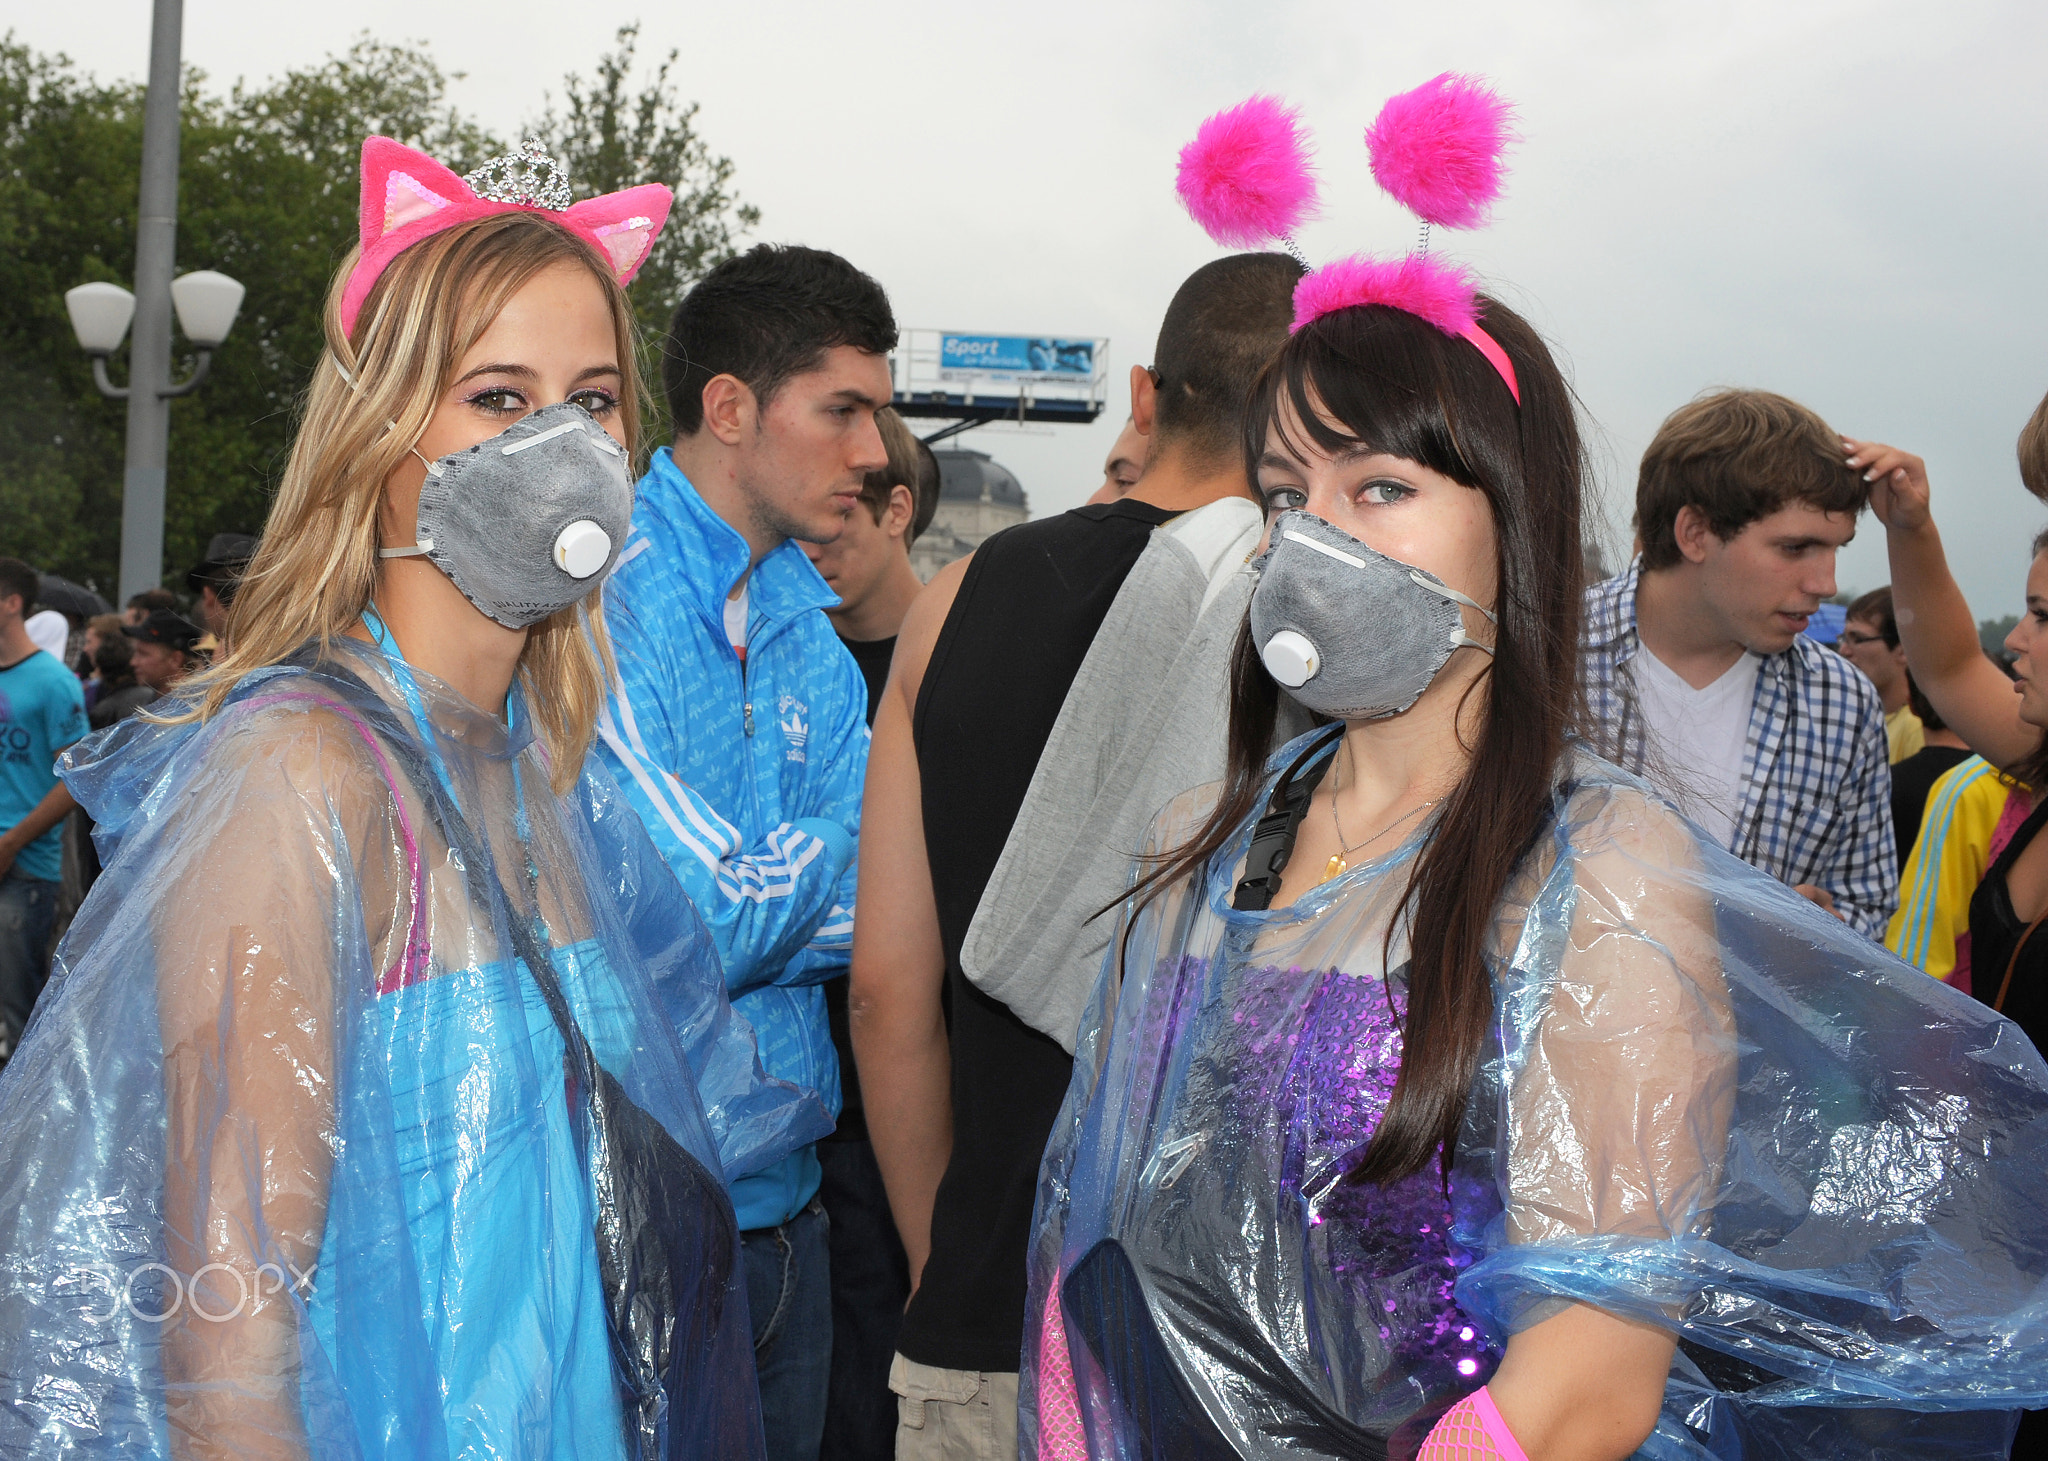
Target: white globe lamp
point(100, 314)
point(207, 303)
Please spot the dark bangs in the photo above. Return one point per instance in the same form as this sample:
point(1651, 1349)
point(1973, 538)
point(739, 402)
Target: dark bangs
point(1389, 382)
point(1381, 379)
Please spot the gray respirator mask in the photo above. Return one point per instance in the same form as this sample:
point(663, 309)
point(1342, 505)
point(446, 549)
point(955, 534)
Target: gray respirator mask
point(1346, 630)
point(529, 522)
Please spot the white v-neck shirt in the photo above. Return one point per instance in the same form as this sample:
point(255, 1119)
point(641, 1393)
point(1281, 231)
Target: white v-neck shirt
point(736, 621)
point(1699, 739)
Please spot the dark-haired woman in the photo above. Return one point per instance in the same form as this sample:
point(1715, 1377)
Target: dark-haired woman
point(2000, 719)
point(1447, 1094)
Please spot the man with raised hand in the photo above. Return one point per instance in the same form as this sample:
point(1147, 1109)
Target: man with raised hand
point(737, 727)
point(1049, 694)
point(1697, 675)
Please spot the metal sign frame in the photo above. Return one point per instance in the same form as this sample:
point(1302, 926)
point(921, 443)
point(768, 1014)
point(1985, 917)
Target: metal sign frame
point(926, 386)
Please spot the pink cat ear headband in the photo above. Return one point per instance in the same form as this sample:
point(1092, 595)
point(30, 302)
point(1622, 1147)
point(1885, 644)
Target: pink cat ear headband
point(407, 196)
point(1246, 179)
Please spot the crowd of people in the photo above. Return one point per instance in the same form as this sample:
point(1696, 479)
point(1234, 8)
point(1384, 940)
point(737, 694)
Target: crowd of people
point(591, 959)
point(63, 679)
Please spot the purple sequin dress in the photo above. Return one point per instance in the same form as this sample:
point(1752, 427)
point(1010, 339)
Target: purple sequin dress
point(1311, 1303)
point(1246, 1278)
point(1384, 1248)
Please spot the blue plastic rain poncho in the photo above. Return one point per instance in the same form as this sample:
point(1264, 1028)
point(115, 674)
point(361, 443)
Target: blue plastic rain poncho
point(1705, 1104)
point(287, 1163)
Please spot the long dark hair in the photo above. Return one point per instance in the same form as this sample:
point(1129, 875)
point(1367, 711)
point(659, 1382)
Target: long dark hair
point(1384, 378)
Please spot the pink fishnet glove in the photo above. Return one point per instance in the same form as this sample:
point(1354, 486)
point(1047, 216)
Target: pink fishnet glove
point(1471, 1430)
point(1060, 1434)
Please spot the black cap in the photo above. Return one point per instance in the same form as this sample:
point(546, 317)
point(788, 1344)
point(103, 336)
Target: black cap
point(166, 628)
point(227, 554)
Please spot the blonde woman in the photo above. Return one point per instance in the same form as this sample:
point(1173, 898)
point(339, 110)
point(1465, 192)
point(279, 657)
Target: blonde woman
point(381, 1104)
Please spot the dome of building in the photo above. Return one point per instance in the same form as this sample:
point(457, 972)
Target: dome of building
point(971, 476)
point(977, 497)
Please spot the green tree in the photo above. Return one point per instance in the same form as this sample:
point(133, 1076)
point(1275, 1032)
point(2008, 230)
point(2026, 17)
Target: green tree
point(268, 194)
point(67, 215)
point(1991, 634)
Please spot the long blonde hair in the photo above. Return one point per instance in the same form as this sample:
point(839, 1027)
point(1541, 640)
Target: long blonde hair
point(312, 577)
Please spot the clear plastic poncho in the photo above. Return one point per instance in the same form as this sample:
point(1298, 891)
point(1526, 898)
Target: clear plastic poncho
point(287, 1166)
point(1705, 1104)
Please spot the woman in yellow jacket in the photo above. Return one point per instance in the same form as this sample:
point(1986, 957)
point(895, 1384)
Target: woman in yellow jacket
point(1972, 813)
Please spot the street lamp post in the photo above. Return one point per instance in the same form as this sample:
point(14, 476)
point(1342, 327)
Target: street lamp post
point(149, 358)
point(206, 304)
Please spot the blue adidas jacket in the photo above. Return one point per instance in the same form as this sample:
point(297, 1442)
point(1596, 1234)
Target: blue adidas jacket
point(748, 776)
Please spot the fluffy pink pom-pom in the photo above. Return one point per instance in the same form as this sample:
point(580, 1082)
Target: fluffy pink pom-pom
point(1246, 177)
point(1437, 149)
point(1435, 289)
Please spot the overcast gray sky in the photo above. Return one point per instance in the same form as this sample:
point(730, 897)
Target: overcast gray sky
point(1841, 201)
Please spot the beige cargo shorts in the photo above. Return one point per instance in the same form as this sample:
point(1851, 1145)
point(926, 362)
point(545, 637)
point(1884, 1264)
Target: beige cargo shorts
point(953, 1415)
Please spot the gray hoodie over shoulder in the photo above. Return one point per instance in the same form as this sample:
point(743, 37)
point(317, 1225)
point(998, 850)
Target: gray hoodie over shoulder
point(1147, 718)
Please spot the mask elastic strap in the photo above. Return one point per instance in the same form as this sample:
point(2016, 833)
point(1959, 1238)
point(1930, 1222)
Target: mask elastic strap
point(1459, 638)
point(425, 545)
point(343, 371)
point(1450, 593)
point(417, 550)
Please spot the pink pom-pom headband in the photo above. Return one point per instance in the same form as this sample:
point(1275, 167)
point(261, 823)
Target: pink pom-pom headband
point(1444, 294)
point(407, 197)
point(1246, 177)
point(1437, 150)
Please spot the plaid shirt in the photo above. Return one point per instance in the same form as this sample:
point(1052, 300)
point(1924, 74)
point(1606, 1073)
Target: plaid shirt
point(1817, 782)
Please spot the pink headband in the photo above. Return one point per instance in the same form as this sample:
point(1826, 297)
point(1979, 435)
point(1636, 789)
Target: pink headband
point(1443, 293)
point(407, 196)
point(1437, 149)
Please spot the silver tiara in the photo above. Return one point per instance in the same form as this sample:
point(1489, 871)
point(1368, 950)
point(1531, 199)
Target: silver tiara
point(527, 176)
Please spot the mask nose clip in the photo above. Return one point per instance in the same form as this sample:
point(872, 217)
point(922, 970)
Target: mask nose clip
point(582, 548)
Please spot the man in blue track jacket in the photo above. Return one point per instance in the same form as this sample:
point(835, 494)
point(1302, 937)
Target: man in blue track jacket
point(738, 726)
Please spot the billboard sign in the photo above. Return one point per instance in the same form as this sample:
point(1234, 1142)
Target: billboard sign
point(1017, 356)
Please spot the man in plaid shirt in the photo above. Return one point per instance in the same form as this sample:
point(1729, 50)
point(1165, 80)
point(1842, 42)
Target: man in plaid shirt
point(1695, 671)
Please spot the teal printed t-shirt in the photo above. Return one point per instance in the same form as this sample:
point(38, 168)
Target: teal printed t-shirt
point(42, 710)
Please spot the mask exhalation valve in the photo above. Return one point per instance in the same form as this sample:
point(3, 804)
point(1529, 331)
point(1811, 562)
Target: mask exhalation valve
point(582, 548)
point(1290, 657)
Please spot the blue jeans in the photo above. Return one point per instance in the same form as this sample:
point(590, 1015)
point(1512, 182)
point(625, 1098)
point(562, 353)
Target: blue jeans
point(870, 1284)
point(27, 906)
point(789, 1297)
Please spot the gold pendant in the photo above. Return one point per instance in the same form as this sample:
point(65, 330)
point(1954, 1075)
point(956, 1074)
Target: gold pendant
point(1336, 865)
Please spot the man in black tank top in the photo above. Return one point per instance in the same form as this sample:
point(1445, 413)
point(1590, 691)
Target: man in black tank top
point(959, 1117)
